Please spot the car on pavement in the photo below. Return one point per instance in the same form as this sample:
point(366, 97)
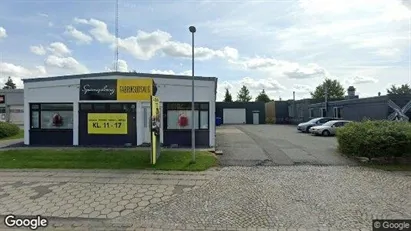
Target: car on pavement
point(328, 128)
point(305, 127)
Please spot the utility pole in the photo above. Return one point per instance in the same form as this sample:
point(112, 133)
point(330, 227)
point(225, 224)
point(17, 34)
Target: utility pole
point(192, 30)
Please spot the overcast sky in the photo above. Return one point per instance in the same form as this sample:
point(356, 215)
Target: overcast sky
point(279, 45)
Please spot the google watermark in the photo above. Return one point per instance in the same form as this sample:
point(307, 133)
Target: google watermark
point(402, 225)
point(33, 223)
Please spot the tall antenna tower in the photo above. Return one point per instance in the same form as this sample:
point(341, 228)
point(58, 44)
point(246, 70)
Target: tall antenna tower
point(116, 33)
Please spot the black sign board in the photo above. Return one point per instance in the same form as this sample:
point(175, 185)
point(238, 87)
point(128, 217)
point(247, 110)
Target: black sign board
point(98, 89)
point(2, 99)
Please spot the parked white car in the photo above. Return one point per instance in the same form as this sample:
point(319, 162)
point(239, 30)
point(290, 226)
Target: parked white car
point(305, 127)
point(328, 128)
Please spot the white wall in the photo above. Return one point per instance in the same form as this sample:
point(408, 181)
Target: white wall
point(67, 90)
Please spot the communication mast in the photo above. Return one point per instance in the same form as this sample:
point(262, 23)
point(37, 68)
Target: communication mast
point(116, 34)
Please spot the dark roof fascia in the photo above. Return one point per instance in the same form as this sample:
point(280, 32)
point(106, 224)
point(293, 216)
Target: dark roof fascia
point(125, 74)
point(18, 90)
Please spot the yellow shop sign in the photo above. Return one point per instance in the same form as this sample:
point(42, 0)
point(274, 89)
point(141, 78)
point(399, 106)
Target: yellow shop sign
point(134, 89)
point(107, 123)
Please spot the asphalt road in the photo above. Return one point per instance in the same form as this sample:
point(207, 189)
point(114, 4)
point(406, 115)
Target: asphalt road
point(265, 145)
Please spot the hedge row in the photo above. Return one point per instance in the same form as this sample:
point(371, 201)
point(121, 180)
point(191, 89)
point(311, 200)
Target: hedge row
point(375, 139)
point(8, 129)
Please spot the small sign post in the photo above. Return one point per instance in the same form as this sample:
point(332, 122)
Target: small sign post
point(155, 129)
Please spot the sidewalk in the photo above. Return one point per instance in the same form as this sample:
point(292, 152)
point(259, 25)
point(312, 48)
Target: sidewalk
point(14, 145)
point(6, 143)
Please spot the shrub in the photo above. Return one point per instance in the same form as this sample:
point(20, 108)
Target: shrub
point(374, 139)
point(8, 129)
point(269, 120)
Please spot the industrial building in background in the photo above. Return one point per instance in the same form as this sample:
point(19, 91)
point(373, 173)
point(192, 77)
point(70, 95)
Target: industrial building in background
point(241, 112)
point(12, 106)
point(379, 107)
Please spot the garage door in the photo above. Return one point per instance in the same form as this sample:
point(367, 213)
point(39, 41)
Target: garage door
point(234, 116)
point(17, 115)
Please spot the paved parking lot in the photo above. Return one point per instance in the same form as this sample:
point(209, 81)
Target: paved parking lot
point(250, 145)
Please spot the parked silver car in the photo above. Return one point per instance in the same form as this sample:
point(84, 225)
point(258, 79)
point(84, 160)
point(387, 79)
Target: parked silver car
point(305, 127)
point(328, 128)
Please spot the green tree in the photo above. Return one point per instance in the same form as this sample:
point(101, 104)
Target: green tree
point(401, 90)
point(227, 97)
point(262, 97)
point(9, 84)
point(334, 89)
point(244, 95)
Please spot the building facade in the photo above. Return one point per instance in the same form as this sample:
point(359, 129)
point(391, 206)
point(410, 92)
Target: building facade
point(113, 108)
point(241, 112)
point(356, 109)
point(12, 106)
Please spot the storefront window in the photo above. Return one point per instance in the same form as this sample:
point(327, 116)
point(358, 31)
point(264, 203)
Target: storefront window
point(179, 116)
point(52, 116)
point(35, 119)
point(56, 119)
point(181, 119)
point(204, 120)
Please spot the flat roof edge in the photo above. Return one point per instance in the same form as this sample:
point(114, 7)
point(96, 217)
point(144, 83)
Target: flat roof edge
point(11, 90)
point(126, 74)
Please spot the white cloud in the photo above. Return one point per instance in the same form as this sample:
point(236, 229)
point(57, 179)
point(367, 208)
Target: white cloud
point(407, 3)
point(43, 15)
point(99, 31)
point(301, 88)
point(269, 84)
point(17, 72)
point(9, 69)
point(3, 33)
point(59, 49)
point(146, 45)
point(163, 72)
point(360, 24)
point(122, 66)
point(372, 41)
point(285, 68)
point(386, 52)
point(187, 72)
point(38, 50)
point(178, 49)
point(361, 80)
point(388, 10)
point(312, 70)
point(65, 63)
point(78, 35)
point(50, 24)
point(170, 72)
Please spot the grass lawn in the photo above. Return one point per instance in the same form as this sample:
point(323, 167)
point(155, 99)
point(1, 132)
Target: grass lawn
point(20, 135)
point(104, 159)
point(390, 167)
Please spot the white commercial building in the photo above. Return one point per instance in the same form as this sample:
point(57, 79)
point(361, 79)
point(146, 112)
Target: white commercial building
point(113, 108)
point(11, 106)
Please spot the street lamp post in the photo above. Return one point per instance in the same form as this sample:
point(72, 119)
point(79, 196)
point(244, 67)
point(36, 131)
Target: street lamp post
point(193, 135)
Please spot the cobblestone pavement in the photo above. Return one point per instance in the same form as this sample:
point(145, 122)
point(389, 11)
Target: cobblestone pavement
point(90, 194)
point(231, 198)
point(292, 197)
